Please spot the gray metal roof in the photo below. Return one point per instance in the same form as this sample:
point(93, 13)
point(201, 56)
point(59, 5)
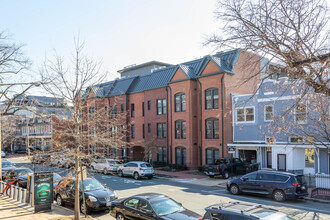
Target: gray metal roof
point(132, 67)
point(139, 84)
point(160, 78)
point(226, 60)
point(122, 86)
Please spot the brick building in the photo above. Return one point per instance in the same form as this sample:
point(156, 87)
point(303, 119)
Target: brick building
point(187, 107)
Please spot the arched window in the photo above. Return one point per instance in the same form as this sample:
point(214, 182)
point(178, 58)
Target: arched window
point(212, 128)
point(212, 155)
point(180, 102)
point(180, 156)
point(211, 98)
point(180, 129)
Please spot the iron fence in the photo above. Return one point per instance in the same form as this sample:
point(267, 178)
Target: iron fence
point(319, 185)
point(18, 194)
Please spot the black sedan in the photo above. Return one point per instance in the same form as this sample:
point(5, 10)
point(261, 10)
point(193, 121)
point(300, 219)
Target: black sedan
point(150, 206)
point(97, 196)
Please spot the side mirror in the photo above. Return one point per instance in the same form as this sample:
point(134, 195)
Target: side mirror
point(244, 178)
point(149, 212)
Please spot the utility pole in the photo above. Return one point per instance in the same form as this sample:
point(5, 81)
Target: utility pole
point(27, 135)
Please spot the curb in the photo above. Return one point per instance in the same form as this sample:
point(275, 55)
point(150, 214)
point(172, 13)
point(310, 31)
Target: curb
point(316, 200)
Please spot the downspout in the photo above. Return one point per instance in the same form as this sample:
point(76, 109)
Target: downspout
point(167, 127)
point(222, 118)
point(171, 146)
point(200, 123)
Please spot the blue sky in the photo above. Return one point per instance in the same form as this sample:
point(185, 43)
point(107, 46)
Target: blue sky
point(119, 33)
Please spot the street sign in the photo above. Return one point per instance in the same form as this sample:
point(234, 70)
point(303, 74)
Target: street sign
point(231, 150)
point(43, 191)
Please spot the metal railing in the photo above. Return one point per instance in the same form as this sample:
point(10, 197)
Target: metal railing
point(319, 185)
point(18, 194)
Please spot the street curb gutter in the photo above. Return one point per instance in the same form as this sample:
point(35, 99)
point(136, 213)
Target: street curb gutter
point(70, 210)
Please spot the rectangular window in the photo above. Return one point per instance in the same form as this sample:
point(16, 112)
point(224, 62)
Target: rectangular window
point(211, 99)
point(269, 113)
point(92, 131)
point(122, 108)
point(132, 111)
point(161, 130)
point(142, 109)
point(180, 129)
point(212, 128)
point(301, 114)
point(149, 105)
point(132, 131)
point(161, 106)
point(91, 113)
point(149, 128)
point(180, 102)
point(309, 157)
point(113, 112)
point(296, 139)
point(143, 133)
point(162, 154)
point(245, 114)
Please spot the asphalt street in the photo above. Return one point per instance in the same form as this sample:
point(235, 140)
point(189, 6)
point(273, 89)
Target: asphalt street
point(193, 197)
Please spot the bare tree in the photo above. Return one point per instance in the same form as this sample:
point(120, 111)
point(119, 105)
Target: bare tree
point(89, 123)
point(149, 147)
point(293, 34)
point(8, 126)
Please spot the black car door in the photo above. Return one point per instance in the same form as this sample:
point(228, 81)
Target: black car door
point(130, 209)
point(249, 183)
point(146, 212)
point(71, 192)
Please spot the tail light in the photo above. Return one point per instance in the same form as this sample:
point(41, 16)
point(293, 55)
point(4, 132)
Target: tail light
point(140, 169)
point(296, 184)
point(11, 182)
point(200, 219)
point(110, 165)
point(218, 168)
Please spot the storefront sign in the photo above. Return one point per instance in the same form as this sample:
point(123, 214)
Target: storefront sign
point(231, 150)
point(43, 191)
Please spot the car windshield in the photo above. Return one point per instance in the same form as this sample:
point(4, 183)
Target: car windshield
point(6, 164)
point(91, 185)
point(23, 172)
point(166, 206)
point(145, 165)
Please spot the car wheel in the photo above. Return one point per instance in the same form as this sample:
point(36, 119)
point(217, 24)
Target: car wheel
point(120, 217)
point(136, 176)
point(234, 189)
point(120, 173)
point(279, 196)
point(211, 176)
point(105, 172)
point(226, 174)
point(59, 200)
point(82, 208)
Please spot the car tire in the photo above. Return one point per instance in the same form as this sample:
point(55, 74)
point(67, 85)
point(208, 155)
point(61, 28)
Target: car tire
point(136, 175)
point(120, 173)
point(59, 200)
point(225, 174)
point(211, 176)
point(105, 171)
point(234, 189)
point(279, 196)
point(120, 217)
point(82, 208)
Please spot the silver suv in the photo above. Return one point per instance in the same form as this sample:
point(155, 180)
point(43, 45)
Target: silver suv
point(106, 165)
point(136, 169)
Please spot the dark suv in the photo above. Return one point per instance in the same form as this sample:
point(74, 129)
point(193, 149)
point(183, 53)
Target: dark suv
point(243, 211)
point(279, 185)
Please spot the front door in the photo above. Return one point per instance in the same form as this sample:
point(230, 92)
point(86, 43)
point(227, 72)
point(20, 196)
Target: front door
point(269, 159)
point(281, 162)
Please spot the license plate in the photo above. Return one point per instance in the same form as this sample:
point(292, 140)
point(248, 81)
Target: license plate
point(108, 203)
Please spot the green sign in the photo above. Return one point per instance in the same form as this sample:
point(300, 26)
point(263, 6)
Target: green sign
point(43, 190)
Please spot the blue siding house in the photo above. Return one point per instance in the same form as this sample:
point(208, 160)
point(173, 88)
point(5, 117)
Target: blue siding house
point(272, 128)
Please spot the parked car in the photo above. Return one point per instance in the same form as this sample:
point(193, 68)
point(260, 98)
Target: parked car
point(3, 154)
point(54, 160)
point(228, 166)
point(136, 169)
point(86, 162)
point(150, 206)
point(106, 165)
point(279, 185)
point(97, 196)
point(43, 158)
point(5, 166)
point(241, 210)
point(18, 176)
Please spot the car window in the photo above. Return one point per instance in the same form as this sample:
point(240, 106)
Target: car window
point(300, 179)
point(128, 165)
point(221, 216)
point(166, 206)
point(238, 160)
point(102, 161)
point(281, 178)
point(134, 165)
point(133, 203)
point(144, 206)
point(250, 176)
point(145, 165)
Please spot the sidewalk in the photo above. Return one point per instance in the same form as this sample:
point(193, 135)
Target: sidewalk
point(12, 210)
point(191, 176)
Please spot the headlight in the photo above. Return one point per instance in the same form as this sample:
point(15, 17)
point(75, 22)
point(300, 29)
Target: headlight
point(92, 198)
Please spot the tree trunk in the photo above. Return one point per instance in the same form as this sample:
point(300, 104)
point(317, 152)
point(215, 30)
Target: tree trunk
point(76, 200)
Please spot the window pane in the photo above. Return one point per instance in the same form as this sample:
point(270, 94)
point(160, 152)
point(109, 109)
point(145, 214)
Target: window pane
point(249, 114)
point(164, 130)
point(208, 129)
point(159, 130)
point(309, 157)
point(183, 97)
point(184, 157)
point(208, 99)
point(177, 103)
point(215, 99)
point(177, 129)
point(178, 156)
point(159, 107)
point(164, 106)
point(209, 159)
point(216, 129)
point(183, 129)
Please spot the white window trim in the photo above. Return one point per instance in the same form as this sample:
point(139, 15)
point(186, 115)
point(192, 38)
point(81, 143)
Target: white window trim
point(245, 122)
point(295, 115)
point(303, 139)
point(265, 113)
